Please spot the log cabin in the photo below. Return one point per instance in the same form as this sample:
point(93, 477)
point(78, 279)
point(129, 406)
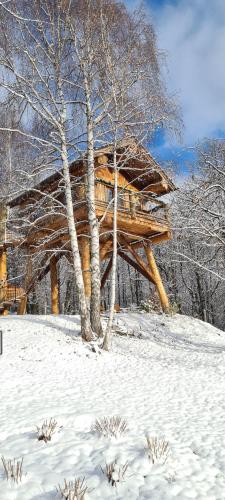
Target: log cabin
point(142, 220)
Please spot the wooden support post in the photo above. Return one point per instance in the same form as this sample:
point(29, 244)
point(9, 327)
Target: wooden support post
point(22, 308)
point(84, 247)
point(158, 281)
point(54, 286)
point(106, 273)
point(3, 265)
point(105, 248)
point(3, 276)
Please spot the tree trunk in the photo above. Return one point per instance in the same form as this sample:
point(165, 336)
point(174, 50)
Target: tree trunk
point(94, 231)
point(107, 338)
point(84, 314)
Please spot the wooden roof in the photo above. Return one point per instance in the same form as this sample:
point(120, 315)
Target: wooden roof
point(137, 166)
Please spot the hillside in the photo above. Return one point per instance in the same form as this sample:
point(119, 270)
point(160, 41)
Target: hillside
point(166, 379)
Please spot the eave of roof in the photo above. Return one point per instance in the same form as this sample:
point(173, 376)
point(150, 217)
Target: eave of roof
point(107, 150)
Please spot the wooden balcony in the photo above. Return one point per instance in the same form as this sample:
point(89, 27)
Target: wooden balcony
point(138, 215)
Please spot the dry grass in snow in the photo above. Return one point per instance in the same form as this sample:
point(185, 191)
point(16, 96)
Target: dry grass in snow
point(110, 427)
point(115, 473)
point(13, 469)
point(158, 450)
point(46, 431)
point(73, 490)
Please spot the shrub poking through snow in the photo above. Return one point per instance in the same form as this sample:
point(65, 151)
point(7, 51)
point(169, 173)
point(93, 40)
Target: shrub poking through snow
point(73, 490)
point(110, 427)
point(158, 450)
point(45, 432)
point(115, 473)
point(13, 469)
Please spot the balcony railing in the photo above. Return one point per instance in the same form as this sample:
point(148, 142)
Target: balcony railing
point(135, 204)
point(161, 216)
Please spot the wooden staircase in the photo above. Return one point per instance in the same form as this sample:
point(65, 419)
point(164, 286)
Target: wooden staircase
point(10, 295)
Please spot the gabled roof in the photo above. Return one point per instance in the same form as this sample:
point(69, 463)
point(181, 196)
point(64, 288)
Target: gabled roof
point(136, 164)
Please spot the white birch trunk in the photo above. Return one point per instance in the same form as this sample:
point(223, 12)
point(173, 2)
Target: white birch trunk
point(108, 333)
point(94, 228)
point(84, 315)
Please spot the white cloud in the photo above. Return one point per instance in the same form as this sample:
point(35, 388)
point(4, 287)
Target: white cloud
point(193, 34)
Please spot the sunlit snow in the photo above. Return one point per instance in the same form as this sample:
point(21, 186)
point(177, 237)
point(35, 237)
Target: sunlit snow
point(167, 380)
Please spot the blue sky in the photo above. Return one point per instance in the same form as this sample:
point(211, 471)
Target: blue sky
point(192, 33)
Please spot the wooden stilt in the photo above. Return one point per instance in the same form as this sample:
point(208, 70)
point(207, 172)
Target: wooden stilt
point(106, 273)
point(84, 247)
point(158, 281)
point(105, 248)
point(3, 265)
point(54, 286)
point(3, 274)
point(22, 308)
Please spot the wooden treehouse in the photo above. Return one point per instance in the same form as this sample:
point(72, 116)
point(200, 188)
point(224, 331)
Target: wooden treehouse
point(143, 221)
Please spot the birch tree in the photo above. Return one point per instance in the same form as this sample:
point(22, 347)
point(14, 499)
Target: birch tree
point(137, 97)
point(34, 70)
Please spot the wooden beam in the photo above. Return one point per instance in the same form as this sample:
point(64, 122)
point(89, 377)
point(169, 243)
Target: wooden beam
point(161, 237)
point(84, 247)
point(158, 281)
point(3, 275)
point(138, 259)
point(3, 265)
point(22, 308)
point(54, 286)
point(105, 248)
point(135, 265)
point(39, 275)
point(106, 273)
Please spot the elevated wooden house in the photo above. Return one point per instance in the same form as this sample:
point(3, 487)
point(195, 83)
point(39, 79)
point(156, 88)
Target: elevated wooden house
point(143, 220)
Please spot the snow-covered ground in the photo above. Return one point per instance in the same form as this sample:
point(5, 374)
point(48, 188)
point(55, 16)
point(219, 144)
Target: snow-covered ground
point(167, 381)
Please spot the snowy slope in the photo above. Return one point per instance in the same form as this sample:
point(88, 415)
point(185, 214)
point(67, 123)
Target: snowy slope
point(167, 381)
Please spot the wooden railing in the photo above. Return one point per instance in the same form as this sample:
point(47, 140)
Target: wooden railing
point(135, 203)
point(10, 293)
point(7, 237)
point(162, 216)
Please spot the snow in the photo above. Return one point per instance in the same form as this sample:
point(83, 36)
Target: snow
point(166, 379)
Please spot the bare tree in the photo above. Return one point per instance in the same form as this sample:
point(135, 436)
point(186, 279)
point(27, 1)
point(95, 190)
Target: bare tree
point(34, 70)
point(196, 253)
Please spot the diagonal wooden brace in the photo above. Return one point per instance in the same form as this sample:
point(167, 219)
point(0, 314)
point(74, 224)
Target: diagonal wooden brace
point(138, 259)
point(106, 273)
point(135, 265)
